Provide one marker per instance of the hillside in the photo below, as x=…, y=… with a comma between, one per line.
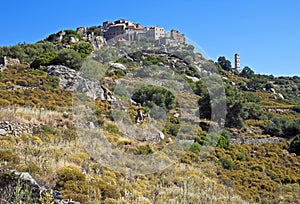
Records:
x=88, y=117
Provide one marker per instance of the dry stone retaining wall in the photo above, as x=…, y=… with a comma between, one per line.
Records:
x=8, y=128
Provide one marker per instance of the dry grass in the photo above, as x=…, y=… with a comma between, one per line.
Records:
x=29, y=115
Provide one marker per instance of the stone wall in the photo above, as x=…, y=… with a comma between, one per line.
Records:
x=255, y=141
x=8, y=128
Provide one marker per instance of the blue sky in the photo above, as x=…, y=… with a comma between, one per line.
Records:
x=265, y=33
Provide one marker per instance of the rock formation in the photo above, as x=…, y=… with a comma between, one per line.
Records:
x=7, y=61
x=73, y=81
x=16, y=187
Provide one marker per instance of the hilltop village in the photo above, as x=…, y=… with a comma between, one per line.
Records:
x=122, y=30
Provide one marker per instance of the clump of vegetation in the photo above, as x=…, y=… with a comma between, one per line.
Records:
x=283, y=127
x=295, y=145
x=150, y=96
x=26, y=53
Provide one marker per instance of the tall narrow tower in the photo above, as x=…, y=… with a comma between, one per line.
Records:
x=237, y=61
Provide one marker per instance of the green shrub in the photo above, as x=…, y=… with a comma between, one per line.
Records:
x=84, y=48
x=143, y=149
x=152, y=60
x=223, y=142
x=112, y=128
x=226, y=163
x=26, y=53
x=45, y=59
x=70, y=173
x=283, y=127
x=241, y=156
x=195, y=147
x=295, y=145
x=70, y=58
x=158, y=95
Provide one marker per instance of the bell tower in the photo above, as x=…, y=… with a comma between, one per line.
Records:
x=237, y=61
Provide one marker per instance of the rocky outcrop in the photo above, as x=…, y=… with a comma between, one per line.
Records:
x=8, y=128
x=117, y=66
x=2, y=68
x=17, y=187
x=7, y=61
x=71, y=80
x=194, y=79
x=96, y=40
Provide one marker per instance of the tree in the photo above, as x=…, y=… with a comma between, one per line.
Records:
x=45, y=59
x=84, y=48
x=150, y=95
x=236, y=109
x=70, y=58
x=225, y=64
x=247, y=72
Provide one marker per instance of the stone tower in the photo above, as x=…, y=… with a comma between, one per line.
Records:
x=237, y=61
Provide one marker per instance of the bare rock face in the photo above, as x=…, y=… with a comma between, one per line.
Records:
x=74, y=40
x=73, y=81
x=96, y=40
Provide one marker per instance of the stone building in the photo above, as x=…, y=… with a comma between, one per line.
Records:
x=155, y=32
x=114, y=30
x=177, y=36
x=120, y=27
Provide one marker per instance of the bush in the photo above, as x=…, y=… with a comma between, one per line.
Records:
x=9, y=156
x=70, y=58
x=158, y=95
x=241, y=156
x=45, y=59
x=83, y=48
x=223, y=143
x=226, y=163
x=26, y=53
x=195, y=147
x=143, y=149
x=70, y=173
x=295, y=145
x=112, y=128
x=152, y=60
x=283, y=127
